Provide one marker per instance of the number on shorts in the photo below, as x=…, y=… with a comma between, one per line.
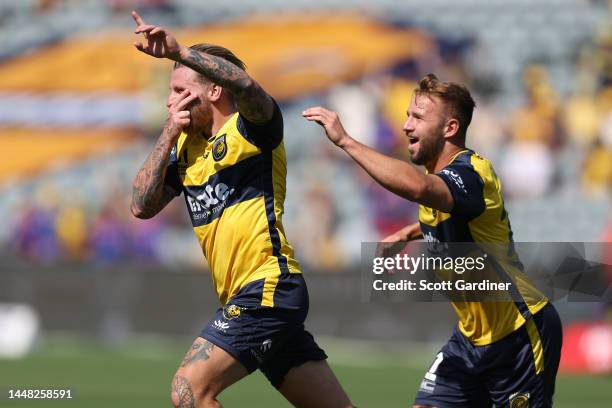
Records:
x=431, y=374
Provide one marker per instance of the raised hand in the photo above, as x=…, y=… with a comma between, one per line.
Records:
x=179, y=117
x=330, y=122
x=159, y=42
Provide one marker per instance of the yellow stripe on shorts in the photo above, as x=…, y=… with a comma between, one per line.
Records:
x=536, y=346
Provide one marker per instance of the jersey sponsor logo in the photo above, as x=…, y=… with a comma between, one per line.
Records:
x=456, y=179
x=210, y=202
x=220, y=325
x=219, y=148
x=231, y=312
x=519, y=400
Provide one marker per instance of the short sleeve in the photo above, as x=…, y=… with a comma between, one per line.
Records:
x=466, y=187
x=266, y=136
x=172, y=179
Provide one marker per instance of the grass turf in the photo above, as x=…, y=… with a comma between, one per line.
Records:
x=138, y=375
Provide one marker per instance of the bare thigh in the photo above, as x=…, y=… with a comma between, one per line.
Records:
x=314, y=385
x=205, y=371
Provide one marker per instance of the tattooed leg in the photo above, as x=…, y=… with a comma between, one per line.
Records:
x=200, y=350
x=182, y=395
x=204, y=372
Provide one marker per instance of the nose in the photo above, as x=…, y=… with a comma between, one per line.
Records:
x=408, y=125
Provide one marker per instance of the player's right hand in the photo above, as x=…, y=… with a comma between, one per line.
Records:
x=330, y=121
x=179, y=117
x=159, y=42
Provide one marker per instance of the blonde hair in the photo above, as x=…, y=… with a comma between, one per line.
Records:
x=456, y=97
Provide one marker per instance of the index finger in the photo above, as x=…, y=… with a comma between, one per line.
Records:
x=137, y=18
x=184, y=100
x=315, y=110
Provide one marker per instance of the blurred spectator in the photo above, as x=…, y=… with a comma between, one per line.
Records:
x=316, y=245
x=597, y=174
x=35, y=238
x=35, y=235
x=526, y=169
x=110, y=239
x=71, y=226
x=536, y=121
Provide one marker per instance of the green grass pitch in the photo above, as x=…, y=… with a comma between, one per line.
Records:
x=138, y=375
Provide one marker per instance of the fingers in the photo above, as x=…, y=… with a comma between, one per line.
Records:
x=317, y=110
x=320, y=115
x=137, y=18
x=157, y=30
x=182, y=115
x=146, y=29
x=182, y=118
x=174, y=99
x=316, y=118
x=184, y=99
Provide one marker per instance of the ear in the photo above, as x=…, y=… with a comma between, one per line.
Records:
x=214, y=92
x=451, y=128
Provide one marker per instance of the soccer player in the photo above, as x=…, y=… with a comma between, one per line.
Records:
x=502, y=353
x=222, y=147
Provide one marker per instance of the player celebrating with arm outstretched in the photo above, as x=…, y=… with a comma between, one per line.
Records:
x=222, y=148
x=506, y=352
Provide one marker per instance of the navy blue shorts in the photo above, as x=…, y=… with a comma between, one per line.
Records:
x=272, y=339
x=517, y=371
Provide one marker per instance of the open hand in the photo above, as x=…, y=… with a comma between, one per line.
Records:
x=330, y=122
x=159, y=42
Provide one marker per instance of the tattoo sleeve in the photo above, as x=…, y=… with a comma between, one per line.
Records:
x=181, y=386
x=253, y=102
x=200, y=350
x=149, y=194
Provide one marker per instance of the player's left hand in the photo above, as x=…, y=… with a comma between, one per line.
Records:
x=160, y=43
x=330, y=122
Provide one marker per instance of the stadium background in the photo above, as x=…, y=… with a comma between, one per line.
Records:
x=94, y=300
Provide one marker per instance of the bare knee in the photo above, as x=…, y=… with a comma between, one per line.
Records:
x=182, y=392
x=185, y=395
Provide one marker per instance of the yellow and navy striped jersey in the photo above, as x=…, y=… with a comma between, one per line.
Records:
x=479, y=216
x=234, y=188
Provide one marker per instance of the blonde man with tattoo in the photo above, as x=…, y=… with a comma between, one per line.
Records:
x=222, y=148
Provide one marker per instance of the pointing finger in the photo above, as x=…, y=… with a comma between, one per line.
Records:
x=137, y=18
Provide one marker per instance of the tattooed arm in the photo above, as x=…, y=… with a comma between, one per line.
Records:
x=150, y=194
x=253, y=101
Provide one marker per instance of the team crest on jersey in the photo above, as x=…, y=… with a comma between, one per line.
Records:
x=219, y=148
x=231, y=312
x=519, y=400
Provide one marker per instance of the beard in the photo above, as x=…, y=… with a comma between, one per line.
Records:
x=201, y=121
x=429, y=149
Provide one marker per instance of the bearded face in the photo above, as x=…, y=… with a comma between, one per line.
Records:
x=200, y=109
x=425, y=129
